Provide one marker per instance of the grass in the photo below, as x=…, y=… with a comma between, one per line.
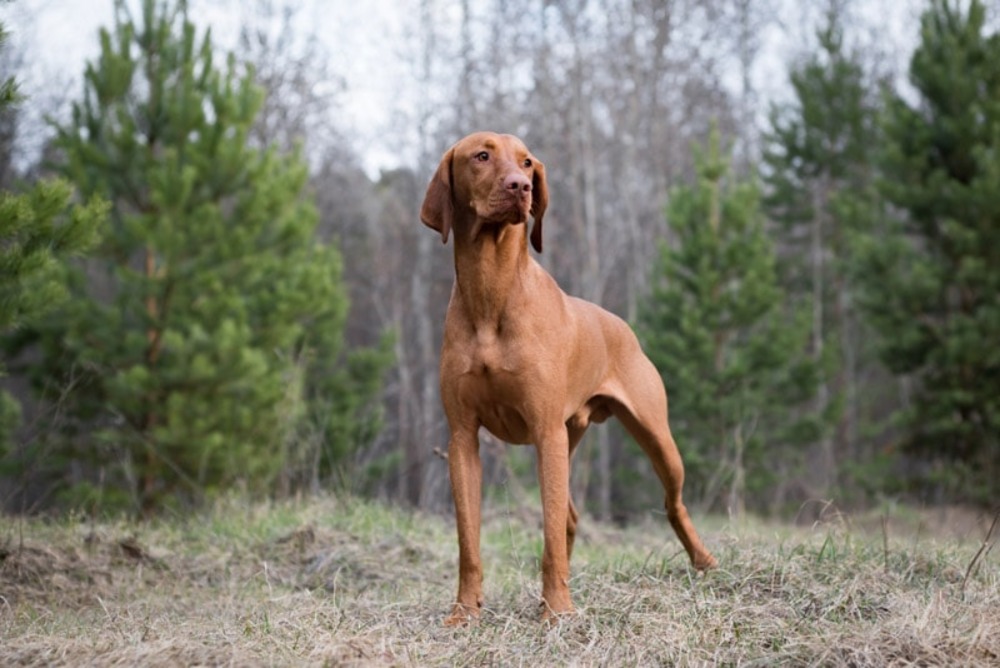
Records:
x=344, y=582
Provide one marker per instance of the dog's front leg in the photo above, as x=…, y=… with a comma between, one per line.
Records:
x=553, y=478
x=466, y=474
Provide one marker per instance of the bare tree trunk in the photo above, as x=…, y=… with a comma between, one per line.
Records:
x=848, y=379
x=410, y=479
x=428, y=363
x=150, y=420
x=605, y=469
x=426, y=354
x=737, y=489
x=827, y=472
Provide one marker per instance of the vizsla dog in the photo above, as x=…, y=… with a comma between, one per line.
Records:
x=530, y=363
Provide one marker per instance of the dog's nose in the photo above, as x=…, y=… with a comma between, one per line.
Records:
x=517, y=183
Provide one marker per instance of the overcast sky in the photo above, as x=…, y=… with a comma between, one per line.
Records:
x=58, y=36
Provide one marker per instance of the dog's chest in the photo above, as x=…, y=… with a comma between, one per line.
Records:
x=493, y=356
x=485, y=376
x=489, y=353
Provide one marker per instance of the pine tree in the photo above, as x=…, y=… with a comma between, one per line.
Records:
x=209, y=337
x=39, y=230
x=819, y=177
x=933, y=277
x=733, y=359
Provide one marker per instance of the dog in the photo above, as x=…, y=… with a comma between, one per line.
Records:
x=530, y=363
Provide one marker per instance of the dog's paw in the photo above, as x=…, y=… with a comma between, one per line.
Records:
x=553, y=615
x=705, y=562
x=462, y=615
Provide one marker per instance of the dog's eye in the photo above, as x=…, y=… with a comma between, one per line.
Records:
x=527, y=162
x=482, y=156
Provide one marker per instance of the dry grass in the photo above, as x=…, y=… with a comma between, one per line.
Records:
x=335, y=582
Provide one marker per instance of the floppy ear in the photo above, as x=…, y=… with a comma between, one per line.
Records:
x=539, y=202
x=437, y=210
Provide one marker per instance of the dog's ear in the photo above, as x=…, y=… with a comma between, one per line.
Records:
x=539, y=202
x=438, y=209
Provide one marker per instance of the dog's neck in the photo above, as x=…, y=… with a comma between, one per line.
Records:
x=489, y=268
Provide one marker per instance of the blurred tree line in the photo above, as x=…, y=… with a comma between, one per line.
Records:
x=817, y=279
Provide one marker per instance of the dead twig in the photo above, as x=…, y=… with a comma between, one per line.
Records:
x=987, y=544
x=885, y=541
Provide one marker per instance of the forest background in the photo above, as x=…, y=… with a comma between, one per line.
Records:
x=215, y=281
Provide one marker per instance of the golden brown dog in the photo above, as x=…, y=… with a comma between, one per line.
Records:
x=530, y=363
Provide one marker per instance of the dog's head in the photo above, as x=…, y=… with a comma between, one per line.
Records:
x=487, y=179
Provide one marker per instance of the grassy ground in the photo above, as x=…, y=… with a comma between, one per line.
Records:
x=341, y=582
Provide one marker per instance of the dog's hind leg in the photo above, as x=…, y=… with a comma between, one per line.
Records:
x=642, y=409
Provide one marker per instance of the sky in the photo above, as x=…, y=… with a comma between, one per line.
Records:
x=59, y=36
x=362, y=38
